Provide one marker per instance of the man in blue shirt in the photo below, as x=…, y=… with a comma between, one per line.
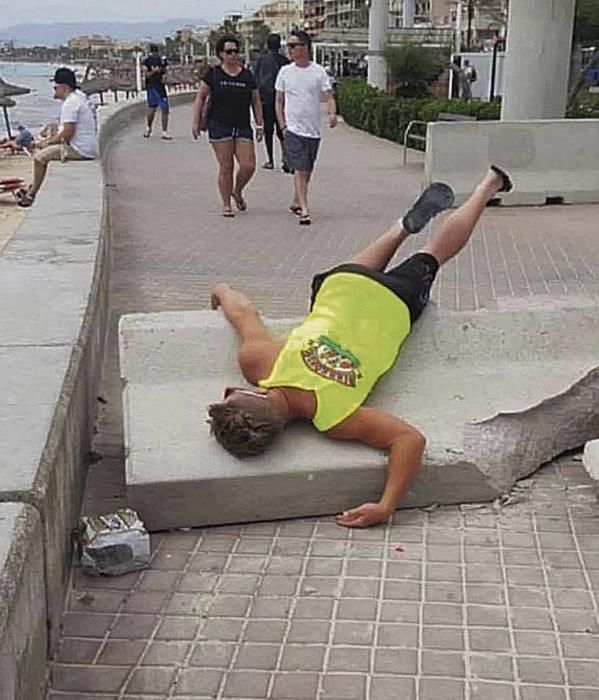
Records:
x=155, y=69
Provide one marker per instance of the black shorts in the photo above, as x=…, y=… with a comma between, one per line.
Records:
x=411, y=281
x=300, y=151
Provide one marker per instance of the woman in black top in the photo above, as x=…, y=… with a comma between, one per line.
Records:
x=230, y=90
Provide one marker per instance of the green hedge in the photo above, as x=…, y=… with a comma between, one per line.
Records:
x=369, y=109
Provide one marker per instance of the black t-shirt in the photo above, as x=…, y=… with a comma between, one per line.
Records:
x=266, y=71
x=156, y=81
x=230, y=96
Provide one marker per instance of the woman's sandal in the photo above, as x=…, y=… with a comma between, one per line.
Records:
x=228, y=213
x=305, y=220
x=240, y=203
x=295, y=210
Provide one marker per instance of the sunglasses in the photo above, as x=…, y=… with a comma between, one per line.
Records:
x=231, y=51
x=294, y=44
x=248, y=392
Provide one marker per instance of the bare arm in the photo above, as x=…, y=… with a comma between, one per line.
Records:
x=63, y=136
x=240, y=312
x=331, y=108
x=385, y=432
x=280, y=109
x=198, y=106
x=258, y=116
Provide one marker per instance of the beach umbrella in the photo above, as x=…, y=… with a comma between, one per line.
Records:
x=5, y=103
x=7, y=91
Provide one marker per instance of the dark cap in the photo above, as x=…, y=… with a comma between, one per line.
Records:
x=65, y=76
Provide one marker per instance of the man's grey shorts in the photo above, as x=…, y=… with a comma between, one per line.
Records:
x=300, y=151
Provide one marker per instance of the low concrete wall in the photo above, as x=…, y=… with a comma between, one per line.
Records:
x=54, y=279
x=550, y=161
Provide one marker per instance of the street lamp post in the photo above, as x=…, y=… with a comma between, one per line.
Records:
x=378, y=20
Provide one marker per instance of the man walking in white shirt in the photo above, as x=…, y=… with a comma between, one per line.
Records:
x=300, y=89
x=76, y=136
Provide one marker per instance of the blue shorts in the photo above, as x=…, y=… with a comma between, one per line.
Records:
x=221, y=133
x=156, y=99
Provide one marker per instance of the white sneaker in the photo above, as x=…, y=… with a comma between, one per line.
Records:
x=147, y=132
x=166, y=136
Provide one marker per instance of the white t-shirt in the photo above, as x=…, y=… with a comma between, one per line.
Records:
x=78, y=109
x=303, y=88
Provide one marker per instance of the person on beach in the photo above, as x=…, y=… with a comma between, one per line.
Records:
x=300, y=89
x=75, y=138
x=222, y=107
x=155, y=68
x=265, y=71
x=360, y=315
x=23, y=142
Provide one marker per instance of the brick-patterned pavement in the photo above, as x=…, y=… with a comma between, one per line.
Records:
x=498, y=602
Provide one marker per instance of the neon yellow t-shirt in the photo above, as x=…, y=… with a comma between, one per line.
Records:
x=350, y=338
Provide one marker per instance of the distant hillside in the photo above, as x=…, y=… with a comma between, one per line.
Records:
x=59, y=33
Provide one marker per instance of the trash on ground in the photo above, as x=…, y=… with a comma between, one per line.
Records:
x=113, y=544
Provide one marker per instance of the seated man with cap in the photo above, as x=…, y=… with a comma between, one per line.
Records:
x=76, y=136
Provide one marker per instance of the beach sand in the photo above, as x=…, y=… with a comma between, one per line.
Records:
x=12, y=215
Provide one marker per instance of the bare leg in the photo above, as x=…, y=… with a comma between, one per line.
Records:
x=150, y=117
x=301, y=180
x=246, y=158
x=378, y=254
x=165, y=120
x=224, y=156
x=457, y=228
x=39, y=173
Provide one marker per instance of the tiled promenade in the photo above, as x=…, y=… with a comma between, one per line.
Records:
x=498, y=602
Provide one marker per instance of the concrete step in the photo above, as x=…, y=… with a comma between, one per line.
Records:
x=497, y=393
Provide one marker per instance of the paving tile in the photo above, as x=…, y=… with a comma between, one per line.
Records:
x=96, y=601
x=491, y=666
x=443, y=593
x=165, y=653
x=302, y=657
x=450, y=638
x=211, y=654
x=199, y=682
x=485, y=594
x=121, y=652
x=583, y=673
x=145, y=602
x=347, y=658
x=157, y=580
x=360, y=588
x=442, y=663
x=535, y=643
x=584, y=646
x=271, y=607
x=298, y=686
x=151, y=680
x=78, y=624
x=541, y=692
x=390, y=635
x=137, y=626
x=386, y=687
x=177, y=628
x=315, y=608
x=531, y=619
x=356, y=609
x=395, y=661
x=435, y=688
x=344, y=686
x=246, y=684
x=439, y=614
x=257, y=656
x=223, y=630
x=479, y=690
x=265, y=631
x=308, y=631
x=102, y=679
x=535, y=670
x=487, y=639
x=399, y=611
x=77, y=651
x=486, y=616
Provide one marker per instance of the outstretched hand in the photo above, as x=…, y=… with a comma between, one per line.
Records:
x=363, y=516
x=215, y=295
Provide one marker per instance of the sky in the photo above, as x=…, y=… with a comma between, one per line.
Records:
x=50, y=11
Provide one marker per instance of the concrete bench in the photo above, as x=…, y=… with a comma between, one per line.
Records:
x=477, y=385
x=550, y=161
x=409, y=135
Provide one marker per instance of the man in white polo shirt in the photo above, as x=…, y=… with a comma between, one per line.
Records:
x=300, y=88
x=76, y=137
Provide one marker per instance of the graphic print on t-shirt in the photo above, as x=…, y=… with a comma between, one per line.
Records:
x=327, y=359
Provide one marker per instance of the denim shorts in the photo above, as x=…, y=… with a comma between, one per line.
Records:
x=155, y=99
x=221, y=133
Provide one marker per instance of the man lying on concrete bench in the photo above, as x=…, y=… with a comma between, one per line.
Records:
x=360, y=315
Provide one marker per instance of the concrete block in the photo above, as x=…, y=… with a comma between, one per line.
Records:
x=23, y=636
x=551, y=161
x=590, y=459
x=458, y=376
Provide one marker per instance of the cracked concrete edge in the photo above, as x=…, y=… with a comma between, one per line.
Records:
x=23, y=629
x=511, y=446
